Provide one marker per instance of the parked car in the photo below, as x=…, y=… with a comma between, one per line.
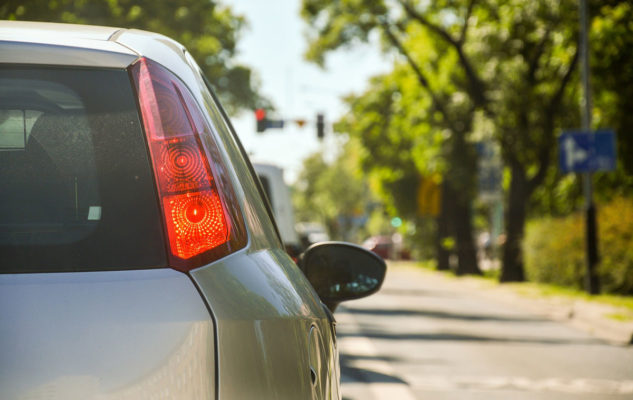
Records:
x=138, y=257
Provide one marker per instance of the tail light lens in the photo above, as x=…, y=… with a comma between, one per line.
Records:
x=201, y=216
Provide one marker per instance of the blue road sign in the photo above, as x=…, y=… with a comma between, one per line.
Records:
x=586, y=151
x=274, y=123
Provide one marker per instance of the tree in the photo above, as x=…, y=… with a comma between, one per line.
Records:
x=527, y=61
x=517, y=60
x=332, y=193
x=611, y=63
x=209, y=31
x=340, y=23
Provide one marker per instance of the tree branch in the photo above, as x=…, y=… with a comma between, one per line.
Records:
x=558, y=95
x=469, y=11
x=437, y=103
x=548, y=127
x=533, y=64
x=476, y=88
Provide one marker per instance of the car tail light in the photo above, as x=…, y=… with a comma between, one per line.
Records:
x=201, y=216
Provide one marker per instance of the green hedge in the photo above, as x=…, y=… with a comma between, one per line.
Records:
x=555, y=253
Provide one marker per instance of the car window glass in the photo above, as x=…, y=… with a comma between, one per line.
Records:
x=76, y=185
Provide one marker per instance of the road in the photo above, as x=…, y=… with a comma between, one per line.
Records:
x=424, y=337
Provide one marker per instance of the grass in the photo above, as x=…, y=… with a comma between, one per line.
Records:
x=619, y=317
x=536, y=290
x=549, y=290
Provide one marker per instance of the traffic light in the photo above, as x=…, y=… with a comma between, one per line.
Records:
x=260, y=117
x=320, y=126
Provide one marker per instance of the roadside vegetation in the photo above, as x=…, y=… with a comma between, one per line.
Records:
x=555, y=253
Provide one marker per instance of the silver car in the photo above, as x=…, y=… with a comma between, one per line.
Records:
x=138, y=257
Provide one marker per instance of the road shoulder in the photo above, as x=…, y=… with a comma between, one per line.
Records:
x=589, y=316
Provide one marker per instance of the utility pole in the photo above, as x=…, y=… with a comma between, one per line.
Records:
x=592, y=283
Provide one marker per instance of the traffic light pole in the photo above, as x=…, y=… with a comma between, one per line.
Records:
x=592, y=283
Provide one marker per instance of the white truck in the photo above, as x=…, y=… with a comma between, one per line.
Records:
x=272, y=178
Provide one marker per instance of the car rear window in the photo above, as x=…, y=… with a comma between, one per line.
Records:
x=76, y=190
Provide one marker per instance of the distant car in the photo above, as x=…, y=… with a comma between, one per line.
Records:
x=381, y=245
x=385, y=247
x=311, y=233
x=138, y=257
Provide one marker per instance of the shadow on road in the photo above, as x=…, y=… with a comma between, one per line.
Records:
x=446, y=315
x=422, y=292
x=363, y=374
x=457, y=337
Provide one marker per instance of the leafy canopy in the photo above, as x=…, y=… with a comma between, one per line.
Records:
x=209, y=31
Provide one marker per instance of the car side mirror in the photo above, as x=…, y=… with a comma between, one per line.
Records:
x=341, y=271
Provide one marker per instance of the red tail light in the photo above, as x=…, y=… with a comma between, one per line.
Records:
x=202, y=219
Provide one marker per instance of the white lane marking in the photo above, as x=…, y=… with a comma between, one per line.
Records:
x=482, y=383
x=362, y=346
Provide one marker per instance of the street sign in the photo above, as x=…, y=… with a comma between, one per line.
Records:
x=586, y=151
x=429, y=197
x=489, y=171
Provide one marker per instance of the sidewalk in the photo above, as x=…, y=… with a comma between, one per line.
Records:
x=592, y=317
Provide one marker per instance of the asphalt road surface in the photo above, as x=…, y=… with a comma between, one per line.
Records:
x=423, y=337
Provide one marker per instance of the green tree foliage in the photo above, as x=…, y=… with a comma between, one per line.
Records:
x=611, y=62
x=209, y=31
x=526, y=53
x=514, y=60
x=612, y=81
x=332, y=193
x=437, y=99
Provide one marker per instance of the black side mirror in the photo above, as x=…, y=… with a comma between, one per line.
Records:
x=341, y=271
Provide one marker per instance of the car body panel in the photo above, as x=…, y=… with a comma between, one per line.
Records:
x=56, y=44
x=104, y=335
x=48, y=31
x=264, y=337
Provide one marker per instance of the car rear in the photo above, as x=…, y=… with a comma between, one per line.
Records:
x=88, y=305
x=137, y=258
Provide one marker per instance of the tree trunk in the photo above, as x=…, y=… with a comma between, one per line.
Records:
x=466, y=251
x=461, y=177
x=444, y=227
x=512, y=269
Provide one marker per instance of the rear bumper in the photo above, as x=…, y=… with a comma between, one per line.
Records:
x=105, y=335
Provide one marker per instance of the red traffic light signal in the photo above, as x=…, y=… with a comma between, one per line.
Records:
x=264, y=123
x=260, y=117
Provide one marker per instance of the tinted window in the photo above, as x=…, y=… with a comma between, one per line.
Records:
x=76, y=191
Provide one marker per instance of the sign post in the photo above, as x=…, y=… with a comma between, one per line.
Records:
x=592, y=283
x=587, y=152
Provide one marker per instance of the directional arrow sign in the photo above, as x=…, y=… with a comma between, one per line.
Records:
x=586, y=151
